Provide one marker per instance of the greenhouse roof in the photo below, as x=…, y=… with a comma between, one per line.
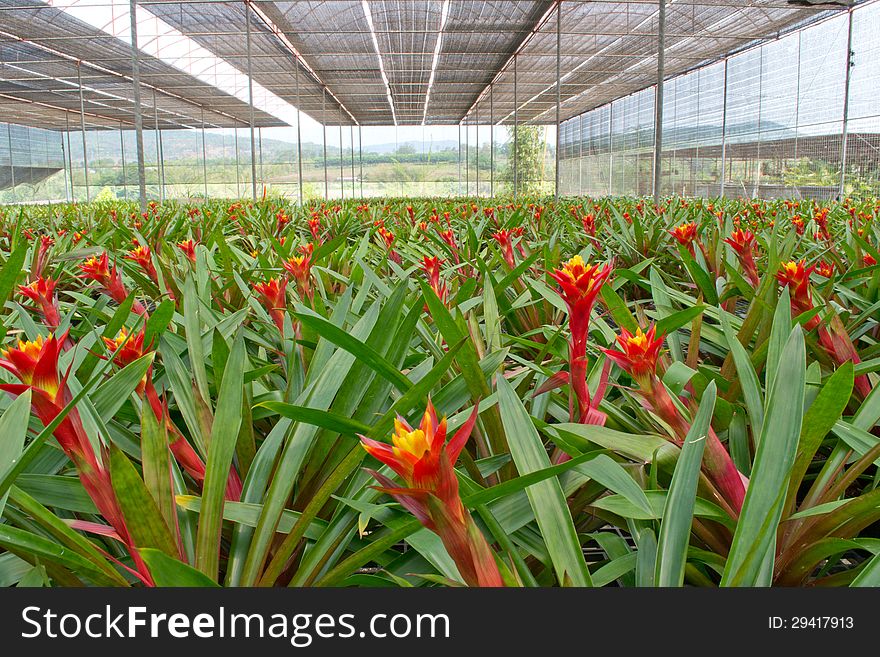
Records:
x=374, y=62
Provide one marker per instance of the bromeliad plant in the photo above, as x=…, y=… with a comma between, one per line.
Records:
x=580, y=284
x=424, y=460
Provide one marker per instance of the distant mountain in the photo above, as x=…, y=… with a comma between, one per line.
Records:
x=105, y=146
x=442, y=145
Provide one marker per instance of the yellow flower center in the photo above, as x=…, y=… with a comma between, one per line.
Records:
x=30, y=349
x=575, y=263
x=638, y=340
x=120, y=338
x=411, y=442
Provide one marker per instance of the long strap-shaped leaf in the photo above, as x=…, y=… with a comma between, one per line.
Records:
x=13, y=428
x=678, y=513
x=227, y=422
x=750, y=562
x=546, y=497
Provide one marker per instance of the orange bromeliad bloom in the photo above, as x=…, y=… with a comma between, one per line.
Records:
x=301, y=268
x=685, y=234
x=796, y=276
x=504, y=239
x=274, y=295
x=431, y=267
x=188, y=248
x=35, y=365
x=639, y=352
x=144, y=257
x=97, y=269
x=424, y=460
x=130, y=347
x=836, y=341
x=743, y=244
x=825, y=269
x=580, y=284
x=638, y=357
x=42, y=293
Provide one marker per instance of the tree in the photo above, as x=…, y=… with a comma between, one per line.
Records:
x=528, y=156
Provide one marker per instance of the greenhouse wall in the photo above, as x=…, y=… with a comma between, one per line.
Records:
x=767, y=122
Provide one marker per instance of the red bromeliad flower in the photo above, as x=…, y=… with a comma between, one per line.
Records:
x=97, y=269
x=424, y=460
x=868, y=260
x=281, y=220
x=129, y=348
x=589, y=224
x=388, y=238
x=188, y=248
x=638, y=357
x=825, y=269
x=315, y=228
x=431, y=267
x=836, y=342
x=580, y=284
x=143, y=256
x=301, y=268
x=35, y=365
x=274, y=295
x=449, y=237
x=42, y=293
x=743, y=244
x=503, y=237
x=518, y=232
x=41, y=257
x=639, y=352
x=796, y=275
x=685, y=234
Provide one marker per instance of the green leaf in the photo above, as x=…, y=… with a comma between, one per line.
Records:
x=819, y=419
x=317, y=417
x=750, y=562
x=619, y=312
x=112, y=394
x=195, y=349
x=37, y=548
x=167, y=571
x=158, y=321
x=362, y=351
x=546, y=498
x=748, y=379
x=142, y=517
x=12, y=269
x=224, y=435
x=678, y=513
x=674, y=321
x=13, y=429
x=869, y=575
x=779, y=332
x=156, y=461
x=705, y=282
